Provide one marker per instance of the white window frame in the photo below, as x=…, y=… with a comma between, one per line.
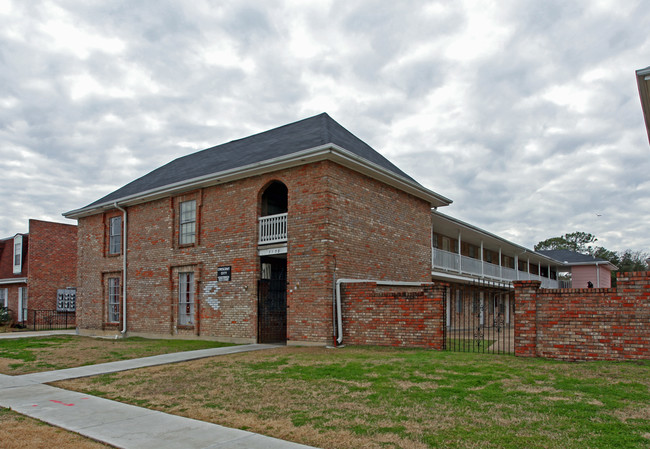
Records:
x=113, y=300
x=18, y=254
x=115, y=235
x=187, y=223
x=186, y=299
x=4, y=297
x=22, y=304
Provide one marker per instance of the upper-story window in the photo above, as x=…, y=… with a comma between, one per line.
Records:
x=18, y=254
x=115, y=235
x=187, y=228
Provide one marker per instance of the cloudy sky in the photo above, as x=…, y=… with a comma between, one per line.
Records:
x=525, y=113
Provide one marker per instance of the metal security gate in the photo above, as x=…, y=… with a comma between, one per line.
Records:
x=272, y=311
x=479, y=317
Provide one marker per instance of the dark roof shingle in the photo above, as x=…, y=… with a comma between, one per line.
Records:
x=278, y=142
x=571, y=257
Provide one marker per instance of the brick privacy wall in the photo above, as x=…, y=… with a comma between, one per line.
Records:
x=584, y=324
x=390, y=315
x=334, y=214
x=52, y=262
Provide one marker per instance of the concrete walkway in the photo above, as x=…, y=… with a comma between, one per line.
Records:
x=25, y=334
x=122, y=425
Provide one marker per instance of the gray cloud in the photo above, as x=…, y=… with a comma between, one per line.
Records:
x=526, y=114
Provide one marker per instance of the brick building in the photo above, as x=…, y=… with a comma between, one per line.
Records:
x=245, y=241
x=35, y=265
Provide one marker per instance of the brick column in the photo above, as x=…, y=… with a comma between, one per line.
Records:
x=436, y=293
x=526, y=318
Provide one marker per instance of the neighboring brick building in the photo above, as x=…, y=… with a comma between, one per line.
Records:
x=245, y=241
x=35, y=265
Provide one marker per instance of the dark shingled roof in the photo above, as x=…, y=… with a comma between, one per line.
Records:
x=283, y=141
x=571, y=257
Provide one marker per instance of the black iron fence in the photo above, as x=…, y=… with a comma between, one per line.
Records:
x=39, y=320
x=480, y=318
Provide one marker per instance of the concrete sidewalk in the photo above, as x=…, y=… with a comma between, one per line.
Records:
x=25, y=334
x=122, y=425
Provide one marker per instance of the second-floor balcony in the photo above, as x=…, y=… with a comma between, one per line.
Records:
x=273, y=229
x=464, y=265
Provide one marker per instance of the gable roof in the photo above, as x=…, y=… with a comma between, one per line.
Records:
x=315, y=138
x=7, y=275
x=574, y=258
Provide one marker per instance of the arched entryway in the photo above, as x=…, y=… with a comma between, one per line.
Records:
x=272, y=284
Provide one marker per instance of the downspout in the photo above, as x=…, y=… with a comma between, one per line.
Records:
x=597, y=275
x=123, y=269
x=334, y=335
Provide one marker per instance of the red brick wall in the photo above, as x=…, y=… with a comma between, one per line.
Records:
x=392, y=315
x=335, y=216
x=52, y=262
x=366, y=229
x=584, y=324
x=92, y=263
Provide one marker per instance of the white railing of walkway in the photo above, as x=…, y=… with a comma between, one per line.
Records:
x=453, y=262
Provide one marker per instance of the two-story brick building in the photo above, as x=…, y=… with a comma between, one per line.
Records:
x=34, y=266
x=245, y=241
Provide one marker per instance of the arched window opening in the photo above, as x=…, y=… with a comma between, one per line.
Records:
x=274, y=199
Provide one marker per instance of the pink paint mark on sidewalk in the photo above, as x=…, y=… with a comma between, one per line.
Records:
x=62, y=403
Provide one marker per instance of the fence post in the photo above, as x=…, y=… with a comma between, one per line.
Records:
x=526, y=318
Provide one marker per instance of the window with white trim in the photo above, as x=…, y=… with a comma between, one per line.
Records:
x=3, y=297
x=115, y=235
x=22, y=304
x=18, y=254
x=186, y=299
x=187, y=227
x=113, y=300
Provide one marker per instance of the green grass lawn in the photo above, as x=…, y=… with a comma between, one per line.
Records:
x=379, y=397
x=27, y=355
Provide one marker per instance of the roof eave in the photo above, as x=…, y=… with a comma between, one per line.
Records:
x=593, y=263
x=643, y=83
x=331, y=152
x=13, y=281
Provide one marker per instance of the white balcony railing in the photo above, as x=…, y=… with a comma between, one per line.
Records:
x=273, y=229
x=448, y=261
x=470, y=265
